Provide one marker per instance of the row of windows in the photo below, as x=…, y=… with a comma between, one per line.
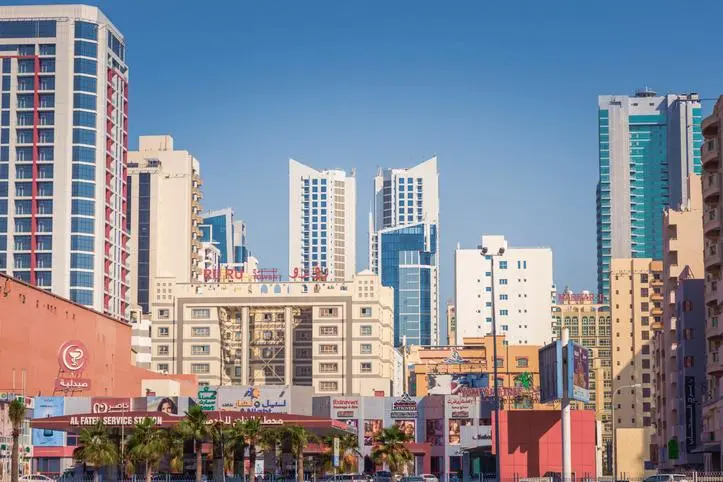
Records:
x=333, y=349
x=82, y=225
x=23, y=207
x=44, y=225
x=25, y=189
x=83, y=207
x=81, y=243
x=364, y=330
x=42, y=261
x=46, y=82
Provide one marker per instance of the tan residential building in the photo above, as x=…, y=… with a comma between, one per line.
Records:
x=335, y=336
x=636, y=306
x=712, y=214
x=588, y=323
x=682, y=251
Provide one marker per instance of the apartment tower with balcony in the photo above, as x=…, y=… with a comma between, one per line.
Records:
x=636, y=307
x=404, y=248
x=63, y=147
x=322, y=223
x=712, y=213
x=648, y=144
x=675, y=341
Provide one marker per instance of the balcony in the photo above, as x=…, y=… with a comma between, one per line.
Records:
x=709, y=155
x=710, y=125
x=714, y=329
x=714, y=365
x=711, y=188
x=711, y=223
x=712, y=256
x=656, y=296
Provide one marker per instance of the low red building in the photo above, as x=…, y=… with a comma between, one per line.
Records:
x=56, y=347
x=531, y=443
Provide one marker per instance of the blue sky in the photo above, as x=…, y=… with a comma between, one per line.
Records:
x=505, y=93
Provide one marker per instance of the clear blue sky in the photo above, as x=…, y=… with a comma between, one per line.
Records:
x=505, y=93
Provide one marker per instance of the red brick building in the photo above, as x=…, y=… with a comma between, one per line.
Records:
x=39, y=330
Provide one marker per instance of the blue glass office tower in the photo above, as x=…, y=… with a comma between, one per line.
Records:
x=404, y=247
x=648, y=144
x=229, y=236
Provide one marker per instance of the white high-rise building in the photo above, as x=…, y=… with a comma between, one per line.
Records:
x=523, y=290
x=404, y=248
x=322, y=222
x=63, y=146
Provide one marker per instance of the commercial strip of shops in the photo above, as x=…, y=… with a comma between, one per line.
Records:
x=452, y=433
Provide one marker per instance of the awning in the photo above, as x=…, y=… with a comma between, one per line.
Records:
x=73, y=423
x=710, y=447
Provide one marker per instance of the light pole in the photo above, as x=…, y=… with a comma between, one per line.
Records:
x=483, y=252
x=615, y=446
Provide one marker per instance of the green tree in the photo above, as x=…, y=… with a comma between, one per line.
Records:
x=148, y=445
x=348, y=452
x=195, y=427
x=16, y=413
x=244, y=433
x=269, y=440
x=174, y=445
x=390, y=447
x=96, y=448
x=298, y=438
x=254, y=433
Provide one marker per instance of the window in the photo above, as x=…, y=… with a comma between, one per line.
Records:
x=646, y=377
x=84, y=136
x=303, y=353
x=522, y=362
x=645, y=350
x=328, y=331
x=504, y=312
x=328, y=386
x=365, y=330
x=200, y=368
x=162, y=331
x=200, y=349
x=84, y=101
x=645, y=335
x=85, y=30
x=162, y=350
x=201, y=331
x=328, y=349
x=503, y=264
x=500, y=362
x=86, y=49
x=366, y=311
x=200, y=313
x=162, y=367
x=328, y=312
x=503, y=297
x=644, y=292
x=328, y=367
x=644, y=307
x=85, y=66
x=503, y=281
x=82, y=83
x=365, y=348
x=365, y=367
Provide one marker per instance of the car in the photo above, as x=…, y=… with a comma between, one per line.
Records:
x=667, y=478
x=36, y=478
x=412, y=478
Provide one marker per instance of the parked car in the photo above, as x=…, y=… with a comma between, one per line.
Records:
x=429, y=477
x=36, y=478
x=667, y=478
x=383, y=476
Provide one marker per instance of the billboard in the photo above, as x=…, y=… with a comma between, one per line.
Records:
x=48, y=407
x=167, y=405
x=550, y=357
x=435, y=432
x=268, y=399
x=453, y=384
x=409, y=427
x=578, y=372
x=372, y=427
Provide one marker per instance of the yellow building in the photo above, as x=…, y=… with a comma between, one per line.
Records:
x=588, y=324
x=446, y=369
x=636, y=305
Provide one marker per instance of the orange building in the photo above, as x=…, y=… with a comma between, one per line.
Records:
x=457, y=369
x=52, y=346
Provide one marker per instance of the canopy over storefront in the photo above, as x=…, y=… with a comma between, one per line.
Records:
x=73, y=423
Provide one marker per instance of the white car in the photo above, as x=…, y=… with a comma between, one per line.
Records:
x=36, y=478
x=667, y=478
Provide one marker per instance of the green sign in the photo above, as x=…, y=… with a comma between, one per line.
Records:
x=673, y=449
x=207, y=398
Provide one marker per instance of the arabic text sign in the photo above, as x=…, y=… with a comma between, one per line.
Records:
x=207, y=398
x=691, y=432
x=110, y=405
x=404, y=407
x=461, y=407
x=254, y=399
x=71, y=384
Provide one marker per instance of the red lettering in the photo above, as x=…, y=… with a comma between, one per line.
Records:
x=239, y=274
x=207, y=274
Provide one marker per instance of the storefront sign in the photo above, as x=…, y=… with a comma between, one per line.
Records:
x=691, y=434
x=506, y=393
x=460, y=407
x=578, y=298
x=72, y=362
x=160, y=420
x=207, y=398
x=110, y=405
x=316, y=274
x=345, y=407
x=238, y=274
x=404, y=407
x=253, y=399
x=113, y=420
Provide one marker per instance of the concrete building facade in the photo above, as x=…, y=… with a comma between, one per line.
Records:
x=636, y=305
x=404, y=248
x=523, y=292
x=63, y=148
x=322, y=223
x=682, y=261
x=164, y=217
x=333, y=336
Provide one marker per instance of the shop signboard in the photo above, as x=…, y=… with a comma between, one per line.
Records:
x=73, y=359
x=461, y=407
x=404, y=408
x=110, y=404
x=48, y=407
x=207, y=398
x=254, y=399
x=345, y=408
x=550, y=358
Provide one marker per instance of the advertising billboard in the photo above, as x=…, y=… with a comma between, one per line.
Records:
x=372, y=427
x=453, y=384
x=266, y=399
x=435, y=432
x=48, y=407
x=409, y=427
x=550, y=357
x=167, y=405
x=578, y=372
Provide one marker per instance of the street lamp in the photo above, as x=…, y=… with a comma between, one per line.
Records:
x=484, y=252
x=615, y=446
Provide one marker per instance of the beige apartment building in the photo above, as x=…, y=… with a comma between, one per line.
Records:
x=588, y=323
x=334, y=336
x=636, y=305
x=712, y=214
x=682, y=250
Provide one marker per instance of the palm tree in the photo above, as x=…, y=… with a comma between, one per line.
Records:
x=270, y=439
x=174, y=444
x=17, y=415
x=254, y=434
x=96, y=448
x=390, y=446
x=219, y=436
x=147, y=445
x=349, y=451
x=194, y=427
x=298, y=438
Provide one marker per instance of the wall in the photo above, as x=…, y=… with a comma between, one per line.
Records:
x=632, y=451
x=33, y=326
x=531, y=443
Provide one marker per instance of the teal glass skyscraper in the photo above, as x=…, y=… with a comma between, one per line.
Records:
x=648, y=145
